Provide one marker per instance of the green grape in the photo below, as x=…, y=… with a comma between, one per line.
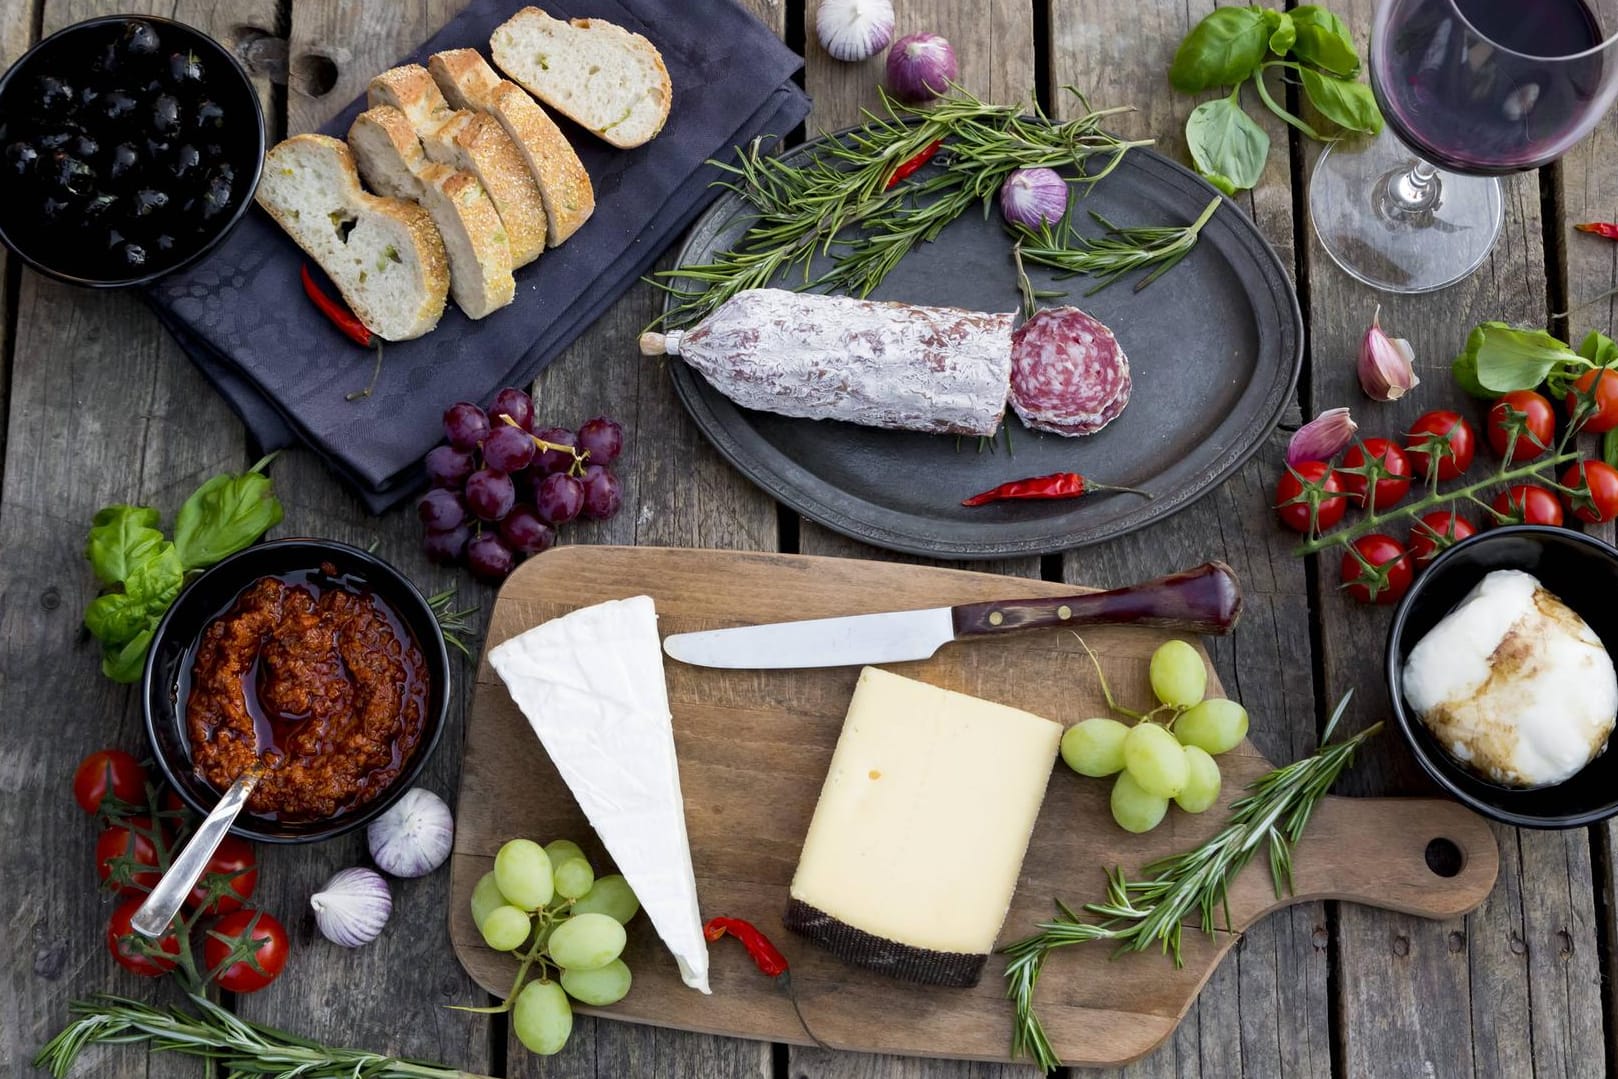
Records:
x=1217, y=725
x=1095, y=747
x=1134, y=809
x=573, y=878
x=1156, y=759
x=522, y=871
x=1178, y=676
x=560, y=850
x=605, y=985
x=505, y=928
x=586, y=942
x=485, y=897
x=1201, y=788
x=610, y=895
x=542, y=1018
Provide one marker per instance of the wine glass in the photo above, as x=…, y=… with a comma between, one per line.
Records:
x=1470, y=90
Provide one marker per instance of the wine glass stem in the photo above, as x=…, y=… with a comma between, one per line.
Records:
x=1417, y=190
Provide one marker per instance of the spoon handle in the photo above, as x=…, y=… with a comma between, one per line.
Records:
x=163, y=903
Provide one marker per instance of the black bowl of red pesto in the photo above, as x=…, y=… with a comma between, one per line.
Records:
x=316, y=660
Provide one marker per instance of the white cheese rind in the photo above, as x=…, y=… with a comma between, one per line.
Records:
x=591, y=685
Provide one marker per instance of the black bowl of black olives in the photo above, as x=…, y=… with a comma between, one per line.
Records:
x=129, y=146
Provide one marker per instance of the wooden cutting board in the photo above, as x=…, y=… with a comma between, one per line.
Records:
x=753, y=750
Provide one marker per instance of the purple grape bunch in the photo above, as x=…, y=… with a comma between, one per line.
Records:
x=500, y=489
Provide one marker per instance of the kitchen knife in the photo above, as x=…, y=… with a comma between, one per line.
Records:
x=1206, y=599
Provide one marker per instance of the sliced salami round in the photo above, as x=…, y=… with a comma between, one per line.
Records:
x=1068, y=374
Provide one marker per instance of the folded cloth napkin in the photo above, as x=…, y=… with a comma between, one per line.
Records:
x=242, y=317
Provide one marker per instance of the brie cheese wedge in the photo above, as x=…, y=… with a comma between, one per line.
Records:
x=591, y=684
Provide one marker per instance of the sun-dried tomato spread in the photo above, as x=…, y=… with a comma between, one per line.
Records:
x=322, y=683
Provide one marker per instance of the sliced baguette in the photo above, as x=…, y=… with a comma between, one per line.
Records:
x=383, y=254
x=612, y=82
x=473, y=143
x=390, y=160
x=468, y=82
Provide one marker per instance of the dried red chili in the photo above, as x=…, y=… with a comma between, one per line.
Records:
x=766, y=956
x=338, y=314
x=908, y=168
x=1055, y=485
x=1609, y=229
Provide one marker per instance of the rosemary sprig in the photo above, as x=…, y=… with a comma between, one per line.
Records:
x=454, y=623
x=1139, y=913
x=1116, y=252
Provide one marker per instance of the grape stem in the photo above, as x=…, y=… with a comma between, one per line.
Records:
x=529, y=958
x=579, y=457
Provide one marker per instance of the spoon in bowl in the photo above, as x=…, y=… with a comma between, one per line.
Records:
x=163, y=902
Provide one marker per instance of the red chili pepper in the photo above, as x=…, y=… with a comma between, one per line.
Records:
x=1608, y=229
x=907, y=168
x=766, y=956
x=338, y=313
x=1056, y=485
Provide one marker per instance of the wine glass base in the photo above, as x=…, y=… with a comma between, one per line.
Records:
x=1366, y=232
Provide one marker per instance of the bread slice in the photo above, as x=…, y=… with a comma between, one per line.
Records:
x=468, y=82
x=473, y=143
x=391, y=160
x=607, y=79
x=383, y=254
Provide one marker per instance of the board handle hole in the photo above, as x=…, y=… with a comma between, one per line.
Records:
x=1444, y=858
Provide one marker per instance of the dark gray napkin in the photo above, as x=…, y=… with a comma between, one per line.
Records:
x=242, y=317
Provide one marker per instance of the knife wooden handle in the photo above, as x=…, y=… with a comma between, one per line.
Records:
x=1206, y=599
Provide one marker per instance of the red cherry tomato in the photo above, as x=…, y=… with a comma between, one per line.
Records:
x=234, y=864
x=1595, y=491
x=125, y=944
x=1291, y=501
x=1377, y=570
x=270, y=950
x=109, y=772
x=1528, y=504
x=1604, y=415
x=1436, y=532
x=132, y=849
x=1426, y=444
x=1392, y=472
x=1534, y=419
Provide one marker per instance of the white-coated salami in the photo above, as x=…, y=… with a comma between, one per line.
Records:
x=935, y=369
x=1068, y=373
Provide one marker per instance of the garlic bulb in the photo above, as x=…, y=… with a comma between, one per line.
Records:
x=1033, y=197
x=920, y=68
x=854, y=29
x=414, y=836
x=352, y=907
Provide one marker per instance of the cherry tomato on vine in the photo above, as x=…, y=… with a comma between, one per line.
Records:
x=1427, y=440
x=234, y=861
x=1604, y=415
x=1392, y=474
x=1528, y=504
x=1534, y=419
x=125, y=944
x=126, y=841
x=1595, y=491
x=1291, y=502
x=270, y=950
x=108, y=771
x=1377, y=570
x=1436, y=532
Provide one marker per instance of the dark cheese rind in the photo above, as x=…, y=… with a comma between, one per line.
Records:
x=906, y=962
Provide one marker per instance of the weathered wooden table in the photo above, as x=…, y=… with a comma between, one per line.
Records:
x=102, y=407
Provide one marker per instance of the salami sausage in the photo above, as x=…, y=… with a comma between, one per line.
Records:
x=935, y=369
x=1068, y=373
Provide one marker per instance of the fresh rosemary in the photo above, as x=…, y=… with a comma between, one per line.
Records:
x=839, y=201
x=1118, y=251
x=455, y=624
x=1139, y=913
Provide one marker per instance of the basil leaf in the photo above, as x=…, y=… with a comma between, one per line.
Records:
x=125, y=663
x=1465, y=366
x=121, y=538
x=157, y=581
x=224, y=515
x=1609, y=447
x=1512, y=359
x=1344, y=102
x=1283, y=33
x=1223, y=49
x=1599, y=349
x=1322, y=39
x=1226, y=144
x=116, y=618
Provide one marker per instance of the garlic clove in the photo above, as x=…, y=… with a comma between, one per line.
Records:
x=352, y=907
x=1386, y=364
x=1322, y=438
x=854, y=29
x=414, y=836
x=1033, y=197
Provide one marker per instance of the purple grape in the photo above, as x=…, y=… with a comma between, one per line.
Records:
x=602, y=494
x=448, y=466
x=446, y=547
x=465, y=425
x=488, y=558
x=555, y=460
x=490, y=495
x=516, y=404
x=602, y=439
x=523, y=531
x=558, y=498
x=508, y=449
x=441, y=510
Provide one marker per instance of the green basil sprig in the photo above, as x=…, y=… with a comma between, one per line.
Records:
x=143, y=571
x=1499, y=358
x=1232, y=45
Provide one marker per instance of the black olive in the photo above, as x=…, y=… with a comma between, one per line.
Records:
x=108, y=60
x=165, y=242
x=124, y=158
x=98, y=207
x=114, y=238
x=213, y=149
x=186, y=158
x=116, y=105
x=166, y=114
x=56, y=97
x=134, y=255
x=84, y=146
x=216, y=200
x=139, y=38
x=53, y=208
x=71, y=174
x=55, y=140
x=209, y=114
x=149, y=200
x=21, y=157
x=185, y=67
x=156, y=148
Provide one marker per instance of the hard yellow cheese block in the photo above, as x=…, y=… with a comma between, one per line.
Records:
x=913, y=853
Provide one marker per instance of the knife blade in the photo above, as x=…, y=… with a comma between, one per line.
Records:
x=1206, y=599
